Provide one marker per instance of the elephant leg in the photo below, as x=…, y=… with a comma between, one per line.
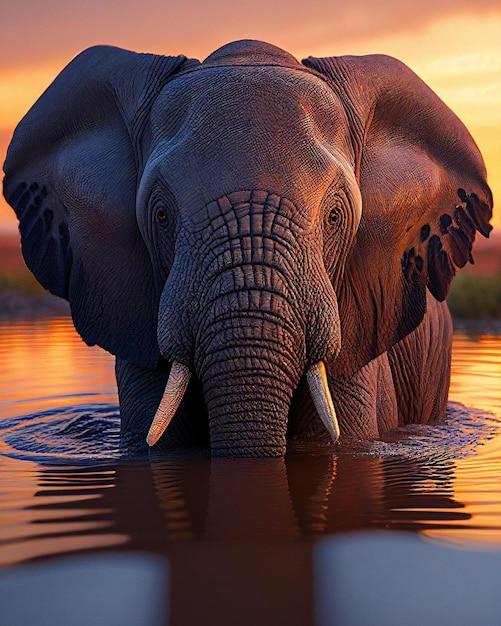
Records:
x=420, y=366
x=139, y=392
x=365, y=405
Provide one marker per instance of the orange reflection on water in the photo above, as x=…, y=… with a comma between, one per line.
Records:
x=48, y=508
x=475, y=382
x=476, y=371
x=46, y=359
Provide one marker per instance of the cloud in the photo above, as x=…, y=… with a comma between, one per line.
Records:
x=34, y=31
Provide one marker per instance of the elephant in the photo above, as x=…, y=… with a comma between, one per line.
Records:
x=265, y=245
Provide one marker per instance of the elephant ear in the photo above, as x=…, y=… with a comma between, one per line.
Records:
x=424, y=197
x=71, y=174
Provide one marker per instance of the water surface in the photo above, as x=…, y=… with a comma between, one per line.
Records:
x=243, y=529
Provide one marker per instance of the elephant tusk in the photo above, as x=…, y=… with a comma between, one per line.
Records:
x=321, y=396
x=175, y=389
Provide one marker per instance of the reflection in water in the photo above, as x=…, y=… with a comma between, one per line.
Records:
x=240, y=531
x=45, y=364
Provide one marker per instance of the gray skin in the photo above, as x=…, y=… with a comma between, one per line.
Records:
x=249, y=216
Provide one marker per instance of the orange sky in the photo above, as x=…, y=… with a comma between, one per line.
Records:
x=454, y=47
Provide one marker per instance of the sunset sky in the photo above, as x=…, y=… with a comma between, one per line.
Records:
x=454, y=45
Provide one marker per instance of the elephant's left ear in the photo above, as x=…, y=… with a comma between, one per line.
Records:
x=424, y=197
x=71, y=175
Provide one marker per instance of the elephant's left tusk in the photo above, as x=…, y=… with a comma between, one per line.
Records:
x=175, y=389
x=322, y=399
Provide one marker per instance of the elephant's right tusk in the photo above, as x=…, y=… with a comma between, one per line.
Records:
x=322, y=399
x=175, y=389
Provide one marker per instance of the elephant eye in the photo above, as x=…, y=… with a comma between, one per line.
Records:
x=334, y=217
x=161, y=215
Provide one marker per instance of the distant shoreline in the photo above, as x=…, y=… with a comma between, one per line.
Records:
x=475, y=297
x=17, y=305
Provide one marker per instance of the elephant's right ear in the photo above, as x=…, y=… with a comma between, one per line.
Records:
x=71, y=176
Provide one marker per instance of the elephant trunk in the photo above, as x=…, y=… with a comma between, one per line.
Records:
x=264, y=315
x=249, y=369
x=178, y=383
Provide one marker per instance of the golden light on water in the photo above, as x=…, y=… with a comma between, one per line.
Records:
x=476, y=374
x=44, y=366
x=50, y=362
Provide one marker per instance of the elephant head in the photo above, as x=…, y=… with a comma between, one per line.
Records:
x=252, y=220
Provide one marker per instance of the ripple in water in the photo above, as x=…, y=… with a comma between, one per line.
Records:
x=91, y=432
x=65, y=486
x=81, y=433
x=459, y=435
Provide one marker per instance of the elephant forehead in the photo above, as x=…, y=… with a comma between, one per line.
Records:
x=270, y=128
x=276, y=98
x=249, y=51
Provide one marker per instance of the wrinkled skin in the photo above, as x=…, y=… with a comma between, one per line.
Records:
x=247, y=217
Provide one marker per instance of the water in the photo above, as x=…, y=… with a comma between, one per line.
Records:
x=237, y=533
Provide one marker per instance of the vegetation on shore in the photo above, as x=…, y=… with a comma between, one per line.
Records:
x=474, y=296
x=22, y=297
x=23, y=282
